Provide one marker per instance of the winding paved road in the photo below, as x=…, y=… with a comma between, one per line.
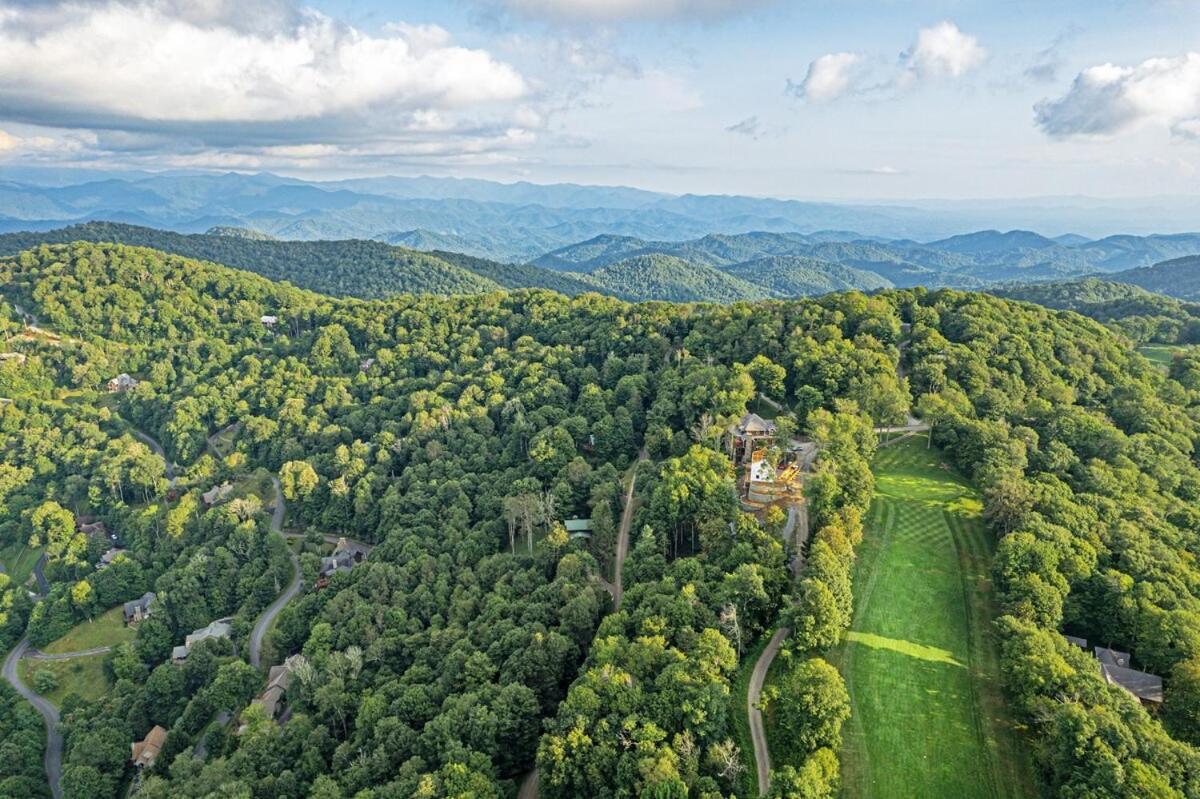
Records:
x=758, y=734
x=39, y=573
x=52, y=760
x=158, y=450
x=264, y=621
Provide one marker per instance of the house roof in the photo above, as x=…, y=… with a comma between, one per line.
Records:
x=217, y=629
x=142, y=603
x=753, y=424
x=1112, y=657
x=1139, y=683
x=1077, y=641
x=179, y=653
x=144, y=752
x=578, y=525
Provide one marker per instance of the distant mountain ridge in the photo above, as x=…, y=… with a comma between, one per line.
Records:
x=509, y=222
x=1179, y=277
x=966, y=261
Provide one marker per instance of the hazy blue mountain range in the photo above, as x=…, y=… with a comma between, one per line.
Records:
x=964, y=261
x=1179, y=277
x=522, y=221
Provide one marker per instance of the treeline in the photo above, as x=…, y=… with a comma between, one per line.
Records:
x=22, y=740
x=1085, y=457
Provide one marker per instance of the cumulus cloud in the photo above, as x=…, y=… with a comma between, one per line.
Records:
x=179, y=79
x=623, y=10
x=78, y=64
x=942, y=50
x=1109, y=99
x=829, y=77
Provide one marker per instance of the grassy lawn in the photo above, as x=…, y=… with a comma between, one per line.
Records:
x=107, y=629
x=81, y=676
x=223, y=443
x=920, y=660
x=19, y=560
x=1162, y=354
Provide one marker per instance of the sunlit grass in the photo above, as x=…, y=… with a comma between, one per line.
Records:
x=920, y=661
x=907, y=648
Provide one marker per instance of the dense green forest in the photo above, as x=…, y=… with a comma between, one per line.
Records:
x=665, y=277
x=457, y=433
x=1140, y=314
x=356, y=268
x=1179, y=277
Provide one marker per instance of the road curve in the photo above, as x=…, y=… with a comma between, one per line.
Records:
x=39, y=573
x=618, y=591
x=762, y=756
x=264, y=620
x=52, y=761
x=160, y=452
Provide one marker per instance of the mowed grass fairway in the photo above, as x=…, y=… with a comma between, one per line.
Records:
x=920, y=661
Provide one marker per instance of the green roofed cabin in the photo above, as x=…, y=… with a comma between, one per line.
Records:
x=579, y=528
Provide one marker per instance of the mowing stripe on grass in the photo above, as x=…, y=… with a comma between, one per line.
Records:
x=920, y=660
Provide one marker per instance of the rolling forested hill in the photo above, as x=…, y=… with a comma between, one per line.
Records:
x=353, y=268
x=664, y=277
x=1142, y=315
x=454, y=434
x=1179, y=278
x=797, y=276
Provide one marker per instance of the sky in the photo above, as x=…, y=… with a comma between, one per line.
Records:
x=836, y=99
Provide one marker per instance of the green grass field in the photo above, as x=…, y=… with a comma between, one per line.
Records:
x=81, y=676
x=18, y=560
x=920, y=660
x=1162, y=354
x=107, y=629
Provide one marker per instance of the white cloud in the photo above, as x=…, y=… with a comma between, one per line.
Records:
x=622, y=10
x=8, y=141
x=672, y=93
x=1109, y=99
x=117, y=62
x=942, y=50
x=830, y=77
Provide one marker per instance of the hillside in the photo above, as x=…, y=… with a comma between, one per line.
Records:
x=798, y=276
x=664, y=277
x=1144, y=316
x=516, y=276
x=1178, y=278
x=483, y=422
x=353, y=268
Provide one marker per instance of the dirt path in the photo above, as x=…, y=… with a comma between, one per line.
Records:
x=758, y=734
x=264, y=620
x=52, y=760
x=529, y=786
x=618, y=589
x=34, y=654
